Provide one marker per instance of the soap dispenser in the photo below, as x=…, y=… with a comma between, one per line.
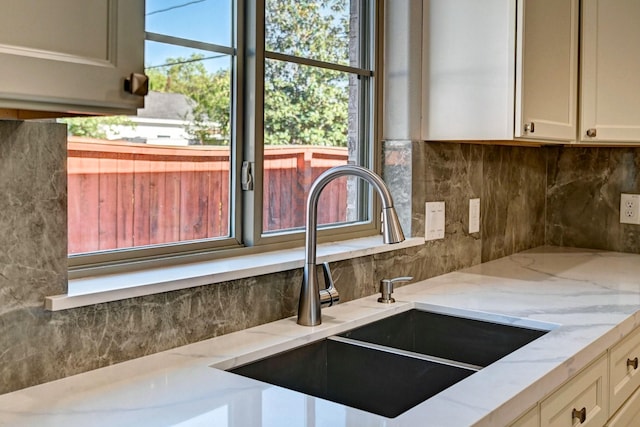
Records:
x=386, y=288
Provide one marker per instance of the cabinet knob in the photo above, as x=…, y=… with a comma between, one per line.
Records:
x=530, y=127
x=633, y=363
x=580, y=415
x=137, y=84
x=591, y=132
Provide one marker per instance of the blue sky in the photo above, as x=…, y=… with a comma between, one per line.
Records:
x=201, y=20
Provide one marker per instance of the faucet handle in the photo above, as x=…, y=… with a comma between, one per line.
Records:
x=386, y=288
x=330, y=295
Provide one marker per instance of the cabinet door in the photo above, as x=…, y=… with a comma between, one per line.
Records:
x=624, y=370
x=587, y=392
x=70, y=55
x=529, y=419
x=546, y=70
x=610, y=83
x=629, y=414
x=468, y=69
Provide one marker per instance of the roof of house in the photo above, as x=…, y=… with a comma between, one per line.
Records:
x=161, y=105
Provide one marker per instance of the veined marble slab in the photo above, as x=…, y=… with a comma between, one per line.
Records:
x=593, y=297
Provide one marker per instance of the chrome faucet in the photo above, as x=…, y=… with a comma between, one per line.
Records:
x=309, y=303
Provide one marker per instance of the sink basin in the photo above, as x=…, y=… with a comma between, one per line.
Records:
x=472, y=341
x=380, y=381
x=388, y=366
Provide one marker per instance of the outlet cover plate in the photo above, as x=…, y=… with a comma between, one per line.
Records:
x=474, y=216
x=629, y=208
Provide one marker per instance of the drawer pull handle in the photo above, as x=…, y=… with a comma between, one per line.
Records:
x=633, y=363
x=581, y=414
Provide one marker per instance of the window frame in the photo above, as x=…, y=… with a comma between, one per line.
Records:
x=247, y=127
x=371, y=57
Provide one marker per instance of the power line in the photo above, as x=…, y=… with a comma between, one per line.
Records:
x=186, y=61
x=178, y=6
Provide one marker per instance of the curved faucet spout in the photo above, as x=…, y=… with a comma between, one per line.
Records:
x=309, y=304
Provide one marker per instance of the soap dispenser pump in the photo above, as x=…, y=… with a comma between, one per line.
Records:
x=386, y=288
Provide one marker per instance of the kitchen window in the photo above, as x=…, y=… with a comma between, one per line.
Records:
x=249, y=102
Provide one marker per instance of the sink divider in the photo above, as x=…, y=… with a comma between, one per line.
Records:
x=406, y=353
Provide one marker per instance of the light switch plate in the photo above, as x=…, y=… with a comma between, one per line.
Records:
x=434, y=221
x=474, y=216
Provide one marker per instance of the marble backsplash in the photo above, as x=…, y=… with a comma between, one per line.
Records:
x=513, y=205
x=510, y=182
x=33, y=242
x=583, y=197
x=38, y=346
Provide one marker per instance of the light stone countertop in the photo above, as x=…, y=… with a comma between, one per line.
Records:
x=591, y=298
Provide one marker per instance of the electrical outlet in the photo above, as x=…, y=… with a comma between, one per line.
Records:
x=434, y=221
x=629, y=208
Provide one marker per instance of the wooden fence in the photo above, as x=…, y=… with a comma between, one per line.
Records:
x=288, y=174
x=126, y=194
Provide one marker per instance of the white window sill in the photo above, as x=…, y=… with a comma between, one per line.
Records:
x=112, y=287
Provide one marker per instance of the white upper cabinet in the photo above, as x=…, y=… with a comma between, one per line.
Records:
x=70, y=56
x=547, y=69
x=610, y=66
x=500, y=70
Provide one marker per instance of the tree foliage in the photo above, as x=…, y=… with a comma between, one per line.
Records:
x=95, y=127
x=210, y=91
x=306, y=104
x=302, y=104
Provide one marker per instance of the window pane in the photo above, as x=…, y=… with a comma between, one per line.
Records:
x=161, y=176
x=201, y=20
x=203, y=79
x=311, y=123
x=321, y=30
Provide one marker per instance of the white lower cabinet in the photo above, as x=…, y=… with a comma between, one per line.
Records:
x=606, y=393
x=629, y=414
x=583, y=401
x=624, y=374
x=530, y=419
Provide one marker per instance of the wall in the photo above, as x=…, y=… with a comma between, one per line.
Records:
x=32, y=248
x=577, y=188
x=510, y=182
x=38, y=346
x=583, y=197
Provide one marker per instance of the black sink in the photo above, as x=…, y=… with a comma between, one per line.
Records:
x=389, y=366
x=465, y=340
x=376, y=381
